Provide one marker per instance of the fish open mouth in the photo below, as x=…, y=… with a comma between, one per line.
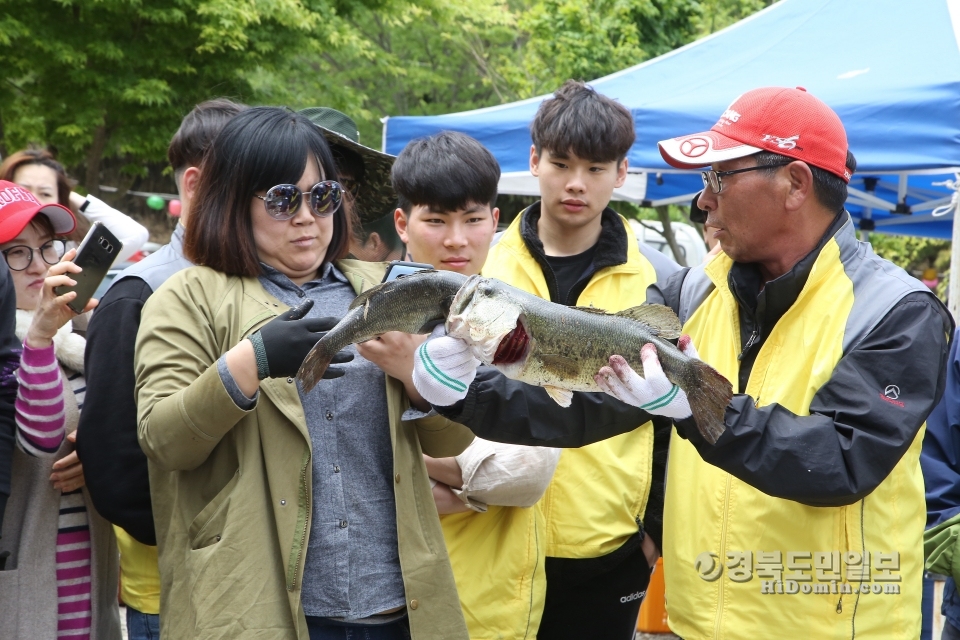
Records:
x=513, y=346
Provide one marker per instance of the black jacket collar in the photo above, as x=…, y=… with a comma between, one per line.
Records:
x=611, y=248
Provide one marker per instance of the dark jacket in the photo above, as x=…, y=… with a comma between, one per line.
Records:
x=847, y=445
x=114, y=466
x=940, y=461
x=9, y=362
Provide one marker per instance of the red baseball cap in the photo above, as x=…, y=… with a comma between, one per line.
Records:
x=18, y=207
x=790, y=122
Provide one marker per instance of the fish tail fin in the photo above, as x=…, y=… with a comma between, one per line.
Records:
x=709, y=400
x=314, y=366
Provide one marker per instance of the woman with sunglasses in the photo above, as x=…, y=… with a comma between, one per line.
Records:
x=64, y=552
x=281, y=513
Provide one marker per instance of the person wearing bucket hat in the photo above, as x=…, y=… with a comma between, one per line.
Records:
x=839, y=356
x=50, y=508
x=365, y=175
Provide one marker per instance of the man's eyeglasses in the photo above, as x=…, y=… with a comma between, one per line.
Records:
x=283, y=201
x=20, y=256
x=714, y=179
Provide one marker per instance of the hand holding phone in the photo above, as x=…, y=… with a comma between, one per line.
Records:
x=54, y=310
x=95, y=256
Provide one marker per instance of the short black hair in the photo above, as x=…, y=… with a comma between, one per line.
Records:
x=829, y=188
x=197, y=131
x=385, y=227
x=579, y=120
x=446, y=171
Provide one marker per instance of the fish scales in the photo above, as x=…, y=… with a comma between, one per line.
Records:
x=562, y=348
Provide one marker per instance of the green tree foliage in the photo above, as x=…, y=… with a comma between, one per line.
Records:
x=587, y=39
x=401, y=58
x=112, y=78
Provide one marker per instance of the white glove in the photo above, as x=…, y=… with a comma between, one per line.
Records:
x=654, y=394
x=443, y=368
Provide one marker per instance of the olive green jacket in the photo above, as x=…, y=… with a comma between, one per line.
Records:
x=232, y=489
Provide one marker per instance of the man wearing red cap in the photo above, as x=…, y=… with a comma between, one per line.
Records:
x=806, y=515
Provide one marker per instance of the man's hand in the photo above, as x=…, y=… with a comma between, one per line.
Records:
x=67, y=471
x=655, y=394
x=650, y=550
x=447, y=501
x=393, y=353
x=443, y=369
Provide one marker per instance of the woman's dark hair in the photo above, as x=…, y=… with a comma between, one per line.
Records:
x=257, y=149
x=34, y=155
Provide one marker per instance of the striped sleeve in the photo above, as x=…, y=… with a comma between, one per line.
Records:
x=39, y=406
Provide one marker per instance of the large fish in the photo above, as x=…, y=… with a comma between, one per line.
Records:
x=561, y=348
x=413, y=304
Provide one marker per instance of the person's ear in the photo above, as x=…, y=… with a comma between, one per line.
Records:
x=373, y=241
x=800, y=185
x=621, y=174
x=496, y=217
x=534, y=161
x=400, y=221
x=189, y=182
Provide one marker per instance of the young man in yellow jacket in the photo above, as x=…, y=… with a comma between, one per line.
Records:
x=805, y=517
x=486, y=496
x=603, y=507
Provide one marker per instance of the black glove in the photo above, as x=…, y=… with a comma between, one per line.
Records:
x=287, y=339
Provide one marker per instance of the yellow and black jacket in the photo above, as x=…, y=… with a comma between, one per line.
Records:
x=820, y=460
x=599, y=494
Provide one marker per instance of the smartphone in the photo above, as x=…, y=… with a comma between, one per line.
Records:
x=401, y=268
x=95, y=255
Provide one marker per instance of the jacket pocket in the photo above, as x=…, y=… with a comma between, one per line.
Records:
x=207, y=527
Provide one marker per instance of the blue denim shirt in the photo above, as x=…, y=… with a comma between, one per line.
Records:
x=352, y=566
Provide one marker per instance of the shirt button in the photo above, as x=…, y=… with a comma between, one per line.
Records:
x=283, y=503
x=289, y=380
x=414, y=604
x=329, y=415
x=300, y=294
x=343, y=524
x=218, y=538
x=397, y=478
x=336, y=468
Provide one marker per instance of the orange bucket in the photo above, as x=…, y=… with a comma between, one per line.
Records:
x=653, y=611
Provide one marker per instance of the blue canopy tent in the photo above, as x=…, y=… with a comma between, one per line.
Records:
x=890, y=69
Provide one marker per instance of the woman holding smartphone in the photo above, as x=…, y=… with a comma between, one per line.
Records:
x=278, y=511
x=61, y=579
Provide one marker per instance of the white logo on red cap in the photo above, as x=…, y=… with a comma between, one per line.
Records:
x=694, y=147
x=728, y=117
x=16, y=194
x=783, y=143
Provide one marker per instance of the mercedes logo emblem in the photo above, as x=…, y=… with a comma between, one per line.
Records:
x=694, y=147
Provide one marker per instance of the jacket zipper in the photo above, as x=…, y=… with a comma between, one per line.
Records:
x=306, y=522
x=722, y=557
x=750, y=341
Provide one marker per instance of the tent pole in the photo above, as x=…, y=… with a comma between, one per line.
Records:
x=953, y=290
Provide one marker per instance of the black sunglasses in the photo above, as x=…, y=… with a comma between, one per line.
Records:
x=283, y=200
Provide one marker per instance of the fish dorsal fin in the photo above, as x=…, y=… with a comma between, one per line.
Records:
x=364, y=297
x=562, y=397
x=593, y=310
x=656, y=316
